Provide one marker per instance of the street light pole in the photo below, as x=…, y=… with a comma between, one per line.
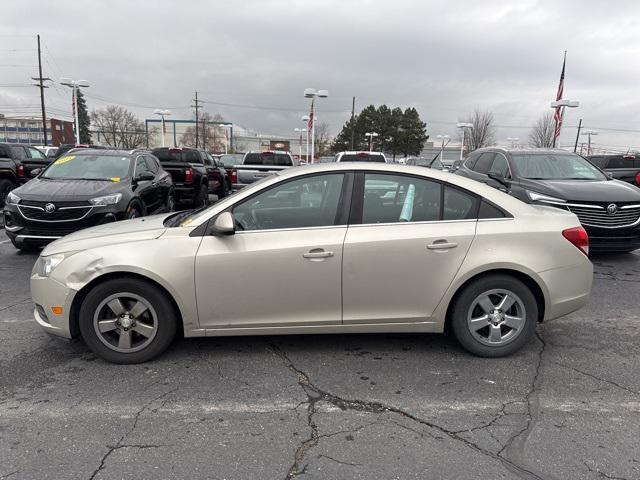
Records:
x=162, y=114
x=312, y=93
x=75, y=85
x=589, y=133
x=462, y=126
x=305, y=118
x=371, y=135
x=443, y=138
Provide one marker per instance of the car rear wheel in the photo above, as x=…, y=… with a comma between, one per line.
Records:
x=127, y=321
x=202, y=199
x=494, y=316
x=5, y=187
x=171, y=202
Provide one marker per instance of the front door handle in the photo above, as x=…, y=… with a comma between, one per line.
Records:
x=317, y=253
x=442, y=245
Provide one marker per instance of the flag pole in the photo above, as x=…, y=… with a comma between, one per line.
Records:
x=559, y=110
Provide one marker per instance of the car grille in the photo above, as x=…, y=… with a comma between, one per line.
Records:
x=598, y=216
x=64, y=211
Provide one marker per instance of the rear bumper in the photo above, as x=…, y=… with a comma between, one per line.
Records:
x=568, y=288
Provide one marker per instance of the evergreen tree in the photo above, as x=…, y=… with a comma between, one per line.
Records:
x=83, y=119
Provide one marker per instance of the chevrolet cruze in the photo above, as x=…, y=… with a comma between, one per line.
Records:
x=332, y=248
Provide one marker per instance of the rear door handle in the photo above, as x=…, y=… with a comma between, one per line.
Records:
x=442, y=245
x=317, y=253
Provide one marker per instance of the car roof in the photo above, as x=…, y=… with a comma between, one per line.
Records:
x=105, y=152
x=525, y=151
x=360, y=152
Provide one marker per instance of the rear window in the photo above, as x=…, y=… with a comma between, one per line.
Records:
x=189, y=156
x=362, y=157
x=265, y=158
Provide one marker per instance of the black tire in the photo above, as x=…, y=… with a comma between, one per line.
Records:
x=5, y=187
x=170, y=204
x=166, y=322
x=223, y=191
x=466, y=300
x=202, y=199
x=133, y=211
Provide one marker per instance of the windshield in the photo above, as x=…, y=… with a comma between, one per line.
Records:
x=89, y=167
x=362, y=157
x=547, y=166
x=267, y=159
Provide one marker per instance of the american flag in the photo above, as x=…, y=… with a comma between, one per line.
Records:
x=310, y=122
x=557, y=116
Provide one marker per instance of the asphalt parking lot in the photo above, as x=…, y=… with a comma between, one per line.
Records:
x=327, y=407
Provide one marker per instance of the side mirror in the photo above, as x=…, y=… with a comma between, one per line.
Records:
x=144, y=177
x=35, y=172
x=223, y=225
x=500, y=179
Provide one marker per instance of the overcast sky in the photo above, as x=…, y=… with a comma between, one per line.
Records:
x=444, y=58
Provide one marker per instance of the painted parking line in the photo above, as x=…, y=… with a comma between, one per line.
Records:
x=5, y=241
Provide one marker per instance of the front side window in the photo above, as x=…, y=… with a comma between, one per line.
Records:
x=484, y=163
x=307, y=202
x=500, y=166
x=400, y=198
x=551, y=166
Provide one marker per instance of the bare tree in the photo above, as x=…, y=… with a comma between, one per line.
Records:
x=483, y=132
x=117, y=127
x=210, y=137
x=323, y=139
x=541, y=135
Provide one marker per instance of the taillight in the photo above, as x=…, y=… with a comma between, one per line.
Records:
x=233, y=173
x=188, y=175
x=579, y=237
x=638, y=179
x=20, y=171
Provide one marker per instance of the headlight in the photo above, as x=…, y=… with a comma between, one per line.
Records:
x=106, y=200
x=12, y=198
x=539, y=197
x=45, y=265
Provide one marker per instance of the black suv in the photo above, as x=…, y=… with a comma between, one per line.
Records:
x=85, y=188
x=16, y=164
x=621, y=167
x=608, y=209
x=195, y=174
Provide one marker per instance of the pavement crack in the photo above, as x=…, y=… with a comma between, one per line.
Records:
x=7, y=475
x=600, y=379
x=603, y=474
x=24, y=300
x=316, y=394
x=340, y=461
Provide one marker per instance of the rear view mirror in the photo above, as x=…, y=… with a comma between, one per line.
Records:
x=35, y=172
x=145, y=176
x=224, y=224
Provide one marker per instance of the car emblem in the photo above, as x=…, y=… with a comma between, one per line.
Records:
x=612, y=209
x=49, y=208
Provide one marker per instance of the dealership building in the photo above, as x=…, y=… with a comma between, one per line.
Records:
x=28, y=131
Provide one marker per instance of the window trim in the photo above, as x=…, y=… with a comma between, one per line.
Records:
x=342, y=209
x=357, y=199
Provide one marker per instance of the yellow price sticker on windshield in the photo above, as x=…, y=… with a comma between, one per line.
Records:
x=66, y=159
x=115, y=179
x=186, y=222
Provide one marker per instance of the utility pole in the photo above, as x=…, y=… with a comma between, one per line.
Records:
x=40, y=79
x=353, y=127
x=196, y=105
x=575, y=146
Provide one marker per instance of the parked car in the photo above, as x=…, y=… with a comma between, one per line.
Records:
x=314, y=250
x=189, y=172
x=608, y=209
x=219, y=179
x=86, y=188
x=360, y=157
x=433, y=162
x=48, y=150
x=13, y=167
x=257, y=165
x=621, y=167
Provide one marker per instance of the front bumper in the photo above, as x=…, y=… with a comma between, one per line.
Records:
x=47, y=293
x=23, y=231
x=613, y=240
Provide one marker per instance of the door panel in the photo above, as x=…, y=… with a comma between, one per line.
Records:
x=400, y=272
x=270, y=277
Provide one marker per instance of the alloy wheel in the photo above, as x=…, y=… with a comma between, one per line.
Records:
x=496, y=317
x=125, y=322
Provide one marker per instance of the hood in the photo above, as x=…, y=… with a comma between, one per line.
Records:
x=42, y=189
x=585, y=191
x=146, y=228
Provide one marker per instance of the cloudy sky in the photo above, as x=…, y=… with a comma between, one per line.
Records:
x=250, y=60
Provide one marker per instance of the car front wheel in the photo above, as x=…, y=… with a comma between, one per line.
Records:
x=127, y=321
x=494, y=316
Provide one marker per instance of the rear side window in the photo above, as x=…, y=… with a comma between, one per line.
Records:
x=469, y=162
x=489, y=211
x=458, y=205
x=177, y=155
x=599, y=161
x=620, y=162
x=484, y=163
x=268, y=158
x=18, y=152
x=361, y=157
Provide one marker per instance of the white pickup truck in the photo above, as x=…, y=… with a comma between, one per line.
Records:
x=257, y=165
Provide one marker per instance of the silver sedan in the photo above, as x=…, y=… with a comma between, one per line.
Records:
x=331, y=248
